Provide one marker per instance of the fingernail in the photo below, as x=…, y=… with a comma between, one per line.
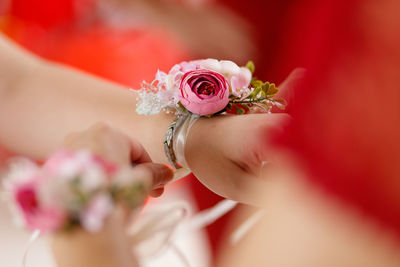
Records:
x=168, y=171
x=180, y=173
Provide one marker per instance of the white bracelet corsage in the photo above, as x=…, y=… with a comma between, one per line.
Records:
x=71, y=189
x=203, y=88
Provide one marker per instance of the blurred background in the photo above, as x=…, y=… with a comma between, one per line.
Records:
x=349, y=105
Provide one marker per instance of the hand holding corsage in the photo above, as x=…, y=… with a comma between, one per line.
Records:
x=83, y=194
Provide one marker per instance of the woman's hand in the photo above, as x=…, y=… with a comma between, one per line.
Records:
x=118, y=148
x=110, y=246
x=227, y=153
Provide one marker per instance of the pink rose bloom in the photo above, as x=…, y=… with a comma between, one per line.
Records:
x=204, y=92
x=35, y=216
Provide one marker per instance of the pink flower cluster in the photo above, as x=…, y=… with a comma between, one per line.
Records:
x=70, y=187
x=203, y=87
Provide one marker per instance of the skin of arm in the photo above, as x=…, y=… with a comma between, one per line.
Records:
x=41, y=102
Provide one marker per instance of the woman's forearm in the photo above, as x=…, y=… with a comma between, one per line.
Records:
x=42, y=102
x=47, y=101
x=14, y=63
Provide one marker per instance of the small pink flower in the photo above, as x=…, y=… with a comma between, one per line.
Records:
x=240, y=82
x=178, y=70
x=55, y=163
x=92, y=219
x=204, y=92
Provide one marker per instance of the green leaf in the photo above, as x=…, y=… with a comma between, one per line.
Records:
x=181, y=106
x=250, y=66
x=255, y=93
x=246, y=106
x=256, y=83
x=270, y=89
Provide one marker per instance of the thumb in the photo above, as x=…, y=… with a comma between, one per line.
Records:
x=293, y=81
x=154, y=175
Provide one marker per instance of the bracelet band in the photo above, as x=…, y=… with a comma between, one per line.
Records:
x=175, y=139
x=180, y=137
x=169, y=140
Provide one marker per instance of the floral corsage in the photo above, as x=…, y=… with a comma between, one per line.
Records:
x=71, y=189
x=208, y=87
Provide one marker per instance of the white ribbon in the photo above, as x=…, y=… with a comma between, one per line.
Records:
x=34, y=236
x=156, y=230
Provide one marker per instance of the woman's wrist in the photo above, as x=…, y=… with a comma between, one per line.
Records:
x=150, y=131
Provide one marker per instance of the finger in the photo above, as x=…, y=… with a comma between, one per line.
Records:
x=287, y=87
x=154, y=175
x=138, y=153
x=157, y=192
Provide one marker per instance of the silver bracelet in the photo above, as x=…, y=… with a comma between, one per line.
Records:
x=175, y=139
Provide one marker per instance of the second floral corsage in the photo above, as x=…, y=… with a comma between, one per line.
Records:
x=71, y=189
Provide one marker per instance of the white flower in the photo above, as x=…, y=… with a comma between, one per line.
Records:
x=93, y=178
x=150, y=104
x=21, y=171
x=229, y=67
x=210, y=64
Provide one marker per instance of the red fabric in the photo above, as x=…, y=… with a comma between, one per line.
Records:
x=49, y=13
x=344, y=130
x=345, y=124
x=269, y=20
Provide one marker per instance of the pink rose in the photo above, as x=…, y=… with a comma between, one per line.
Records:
x=35, y=216
x=204, y=92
